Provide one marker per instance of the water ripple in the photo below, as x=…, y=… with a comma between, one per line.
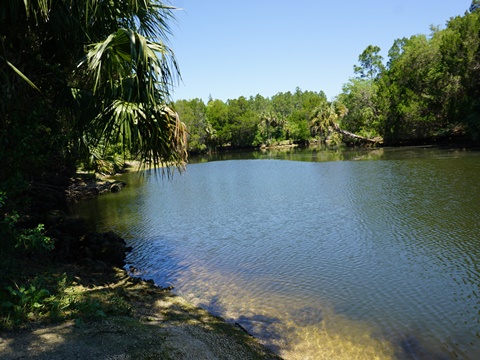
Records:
x=341, y=260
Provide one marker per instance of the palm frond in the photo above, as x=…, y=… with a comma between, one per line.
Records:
x=156, y=136
x=126, y=53
x=40, y=9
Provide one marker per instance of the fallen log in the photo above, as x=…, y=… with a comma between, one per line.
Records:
x=376, y=140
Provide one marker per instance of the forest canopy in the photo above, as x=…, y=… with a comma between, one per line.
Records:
x=427, y=90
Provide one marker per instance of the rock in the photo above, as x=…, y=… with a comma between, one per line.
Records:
x=83, y=190
x=108, y=248
x=117, y=186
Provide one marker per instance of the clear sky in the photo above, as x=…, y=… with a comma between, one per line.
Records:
x=230, y=48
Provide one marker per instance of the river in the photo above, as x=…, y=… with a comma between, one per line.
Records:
x=321, y=254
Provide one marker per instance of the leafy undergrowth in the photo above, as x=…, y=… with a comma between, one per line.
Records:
x=54, y=293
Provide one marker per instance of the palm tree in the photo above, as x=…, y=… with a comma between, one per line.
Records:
x=325, y=120
x=131, y=107
x=105, y=73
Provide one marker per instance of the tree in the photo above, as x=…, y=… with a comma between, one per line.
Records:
x=242, y=122
x=264, y=132
x=460, y=51
x=395, y=51
x=217, y=115
x=259, y=104
x=105, y=76
x=370, y=63
x=297, y=126
x=192, y=114
x=283, y=104
x=474, y=6
x=323, y=118
x=359, y=96
x=411, y=87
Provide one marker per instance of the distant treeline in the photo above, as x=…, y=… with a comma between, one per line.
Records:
x=427, y=89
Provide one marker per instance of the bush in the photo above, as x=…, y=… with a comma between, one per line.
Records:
x=30, y=240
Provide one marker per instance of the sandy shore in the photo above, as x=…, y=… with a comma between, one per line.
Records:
x=161, y=326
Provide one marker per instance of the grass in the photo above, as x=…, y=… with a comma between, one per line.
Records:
x=33, y=291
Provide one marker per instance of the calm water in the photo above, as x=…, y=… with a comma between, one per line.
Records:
x=373, y=257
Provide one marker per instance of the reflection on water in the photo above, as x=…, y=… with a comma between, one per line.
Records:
x=323, y=260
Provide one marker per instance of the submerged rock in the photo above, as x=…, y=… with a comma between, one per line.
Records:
x=108, y=248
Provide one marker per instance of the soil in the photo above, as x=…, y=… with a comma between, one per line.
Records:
x=161, y=326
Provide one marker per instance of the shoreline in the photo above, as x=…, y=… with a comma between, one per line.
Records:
x=123, y=316
x=159, y=325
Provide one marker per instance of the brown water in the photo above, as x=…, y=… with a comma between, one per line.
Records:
x=377, y=258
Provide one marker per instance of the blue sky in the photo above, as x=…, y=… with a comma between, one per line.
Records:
x=230, y=48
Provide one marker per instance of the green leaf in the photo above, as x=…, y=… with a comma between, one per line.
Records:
x=19, y=73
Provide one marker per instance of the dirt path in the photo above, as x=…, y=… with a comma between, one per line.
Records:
x=162, y=326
